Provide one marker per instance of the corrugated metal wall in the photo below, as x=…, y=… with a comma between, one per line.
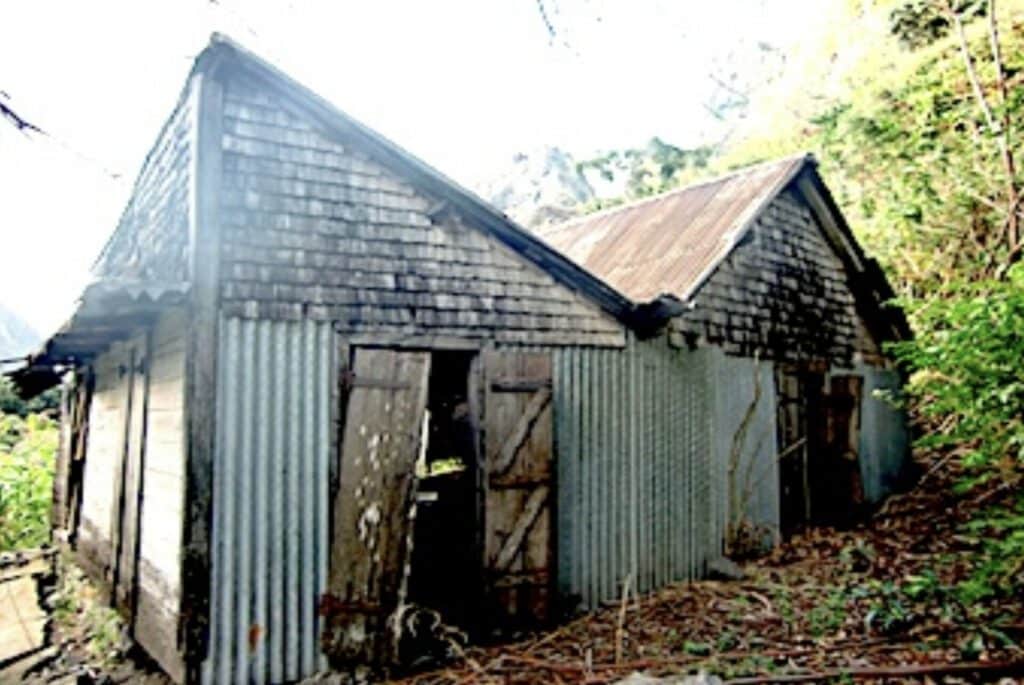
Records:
x=271, y=480
x=737, y=381
x=638, y=491
x=884, y=436
x=635, y=472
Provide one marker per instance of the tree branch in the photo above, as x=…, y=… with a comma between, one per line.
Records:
x=1013, y=224
x=996, y=128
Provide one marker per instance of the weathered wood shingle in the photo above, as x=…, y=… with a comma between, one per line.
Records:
x=151, y=239
x=782, y=293
x=314, y=228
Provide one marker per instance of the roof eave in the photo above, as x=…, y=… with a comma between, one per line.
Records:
x=736, y=237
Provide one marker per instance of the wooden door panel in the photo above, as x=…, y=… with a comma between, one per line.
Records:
x=518, y=460
x=381, y=440
x=837, y=476
x=130, y=489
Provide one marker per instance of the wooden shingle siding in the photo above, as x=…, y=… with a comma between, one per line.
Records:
x=151, y=239
x=781, y=293
x=159, y=570
x=312, y=228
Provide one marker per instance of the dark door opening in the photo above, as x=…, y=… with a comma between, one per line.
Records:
x=470, y=436
x=445, y=566
x=818, y=432
x=483, y=548
x=837, y=493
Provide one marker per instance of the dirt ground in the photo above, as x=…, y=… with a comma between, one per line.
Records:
x=828, y=605
x=864, y=602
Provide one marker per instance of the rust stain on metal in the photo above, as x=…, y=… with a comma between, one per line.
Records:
x=330, y=605
x=667, y=243
x=255, y=632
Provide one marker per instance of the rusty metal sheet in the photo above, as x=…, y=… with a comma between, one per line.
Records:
x=669, y=243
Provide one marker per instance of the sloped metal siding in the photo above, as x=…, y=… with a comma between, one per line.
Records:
x=884, y=436
x=270, y=510
x=637, y=488
x=737, y=381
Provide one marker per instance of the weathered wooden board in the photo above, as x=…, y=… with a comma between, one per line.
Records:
x=161, y=509
x=381, y=439
x=104, y=447
x=22, y=620
x=837, y=476
x=518, y=544
x=131, y=490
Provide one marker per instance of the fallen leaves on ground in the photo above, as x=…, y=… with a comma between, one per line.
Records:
x=827, y=599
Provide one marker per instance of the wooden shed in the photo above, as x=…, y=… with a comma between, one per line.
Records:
x=316, y=383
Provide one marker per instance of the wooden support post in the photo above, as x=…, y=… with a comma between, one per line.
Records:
x=201, y=372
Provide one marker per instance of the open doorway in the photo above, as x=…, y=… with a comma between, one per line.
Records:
x=819, y=429
x=445, y=567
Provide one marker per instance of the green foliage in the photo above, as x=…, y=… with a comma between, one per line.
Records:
x=696, y=648
x=649, y=170
x=921, y=22
x=827, y=617
x=939, y=214
x=890, y=611
x=27, y=450
x=12, y=403
x=999, y=569
x=967, y=373
x=82, y=616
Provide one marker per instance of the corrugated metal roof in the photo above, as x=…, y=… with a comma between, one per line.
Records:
x=669, y=244
x=108, y=310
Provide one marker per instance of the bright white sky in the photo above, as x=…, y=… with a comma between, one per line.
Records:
x=464, y=84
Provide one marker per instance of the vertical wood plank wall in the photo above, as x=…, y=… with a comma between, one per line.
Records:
x=156, y=525
x=159, y=573
x=102, y=465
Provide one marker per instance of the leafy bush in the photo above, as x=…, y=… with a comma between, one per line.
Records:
x=11, y=403
x=27, y=450
x=968, y=376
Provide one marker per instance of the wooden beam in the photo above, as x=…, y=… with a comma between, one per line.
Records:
x=521, y=431
x=201, y=372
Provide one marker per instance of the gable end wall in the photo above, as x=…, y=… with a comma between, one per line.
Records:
x=151, y=240
x=782, y=293
x=314, y=229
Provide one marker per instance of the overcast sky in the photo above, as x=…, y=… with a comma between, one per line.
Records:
x=464, y=84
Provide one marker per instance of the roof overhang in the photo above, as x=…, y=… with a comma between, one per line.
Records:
x=108, y=311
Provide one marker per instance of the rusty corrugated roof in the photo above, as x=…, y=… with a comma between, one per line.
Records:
x=669, y=244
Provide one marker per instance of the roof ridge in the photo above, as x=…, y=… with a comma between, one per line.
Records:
x=719, y=178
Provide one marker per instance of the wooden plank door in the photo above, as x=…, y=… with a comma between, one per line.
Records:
x=370, y=550
x=129, y=499
x=518, y=457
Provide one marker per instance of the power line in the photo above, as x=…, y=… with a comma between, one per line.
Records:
x=25, y=127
